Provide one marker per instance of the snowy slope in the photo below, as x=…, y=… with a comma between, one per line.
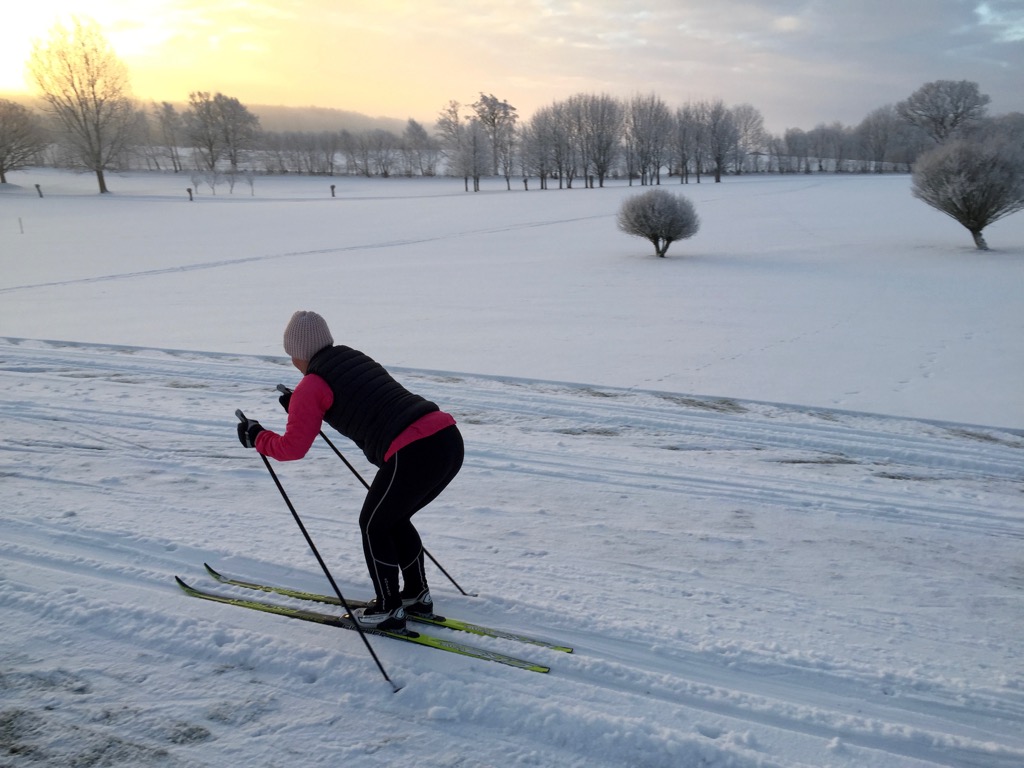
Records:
x=746, y=584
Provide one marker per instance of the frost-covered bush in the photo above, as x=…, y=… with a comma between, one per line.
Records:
x=974, y=181
x=660, y=217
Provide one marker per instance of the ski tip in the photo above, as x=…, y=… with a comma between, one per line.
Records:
x=211, y=571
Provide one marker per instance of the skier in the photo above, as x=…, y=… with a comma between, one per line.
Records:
x=416, y=447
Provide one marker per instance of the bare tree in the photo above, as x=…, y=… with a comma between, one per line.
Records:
x=420, y=150
x=142, y=144
x=507, y=145
x=573, y=115
x=452, y=128
x=475, y=153
x=877, y=133
x=171, y=131
x=273, y=152
x=310, y=152
x=818, y=140
x=974, y=181
x=372, y=152
x=201, y=124
x=797, y=150
x=538, y=145
x=22, y=138
x=942, y=107
x=839, y=138
x=384, y=151
x=325, y=158
x=690, y=146
x=660, y=217
x=357, y=156
x=563, y=145
x=778, y=154
x=750, y=137
x=720, y=135
x=85, y=87
x=498, y=119
x=239, y=128
x=601, y=134
x=648, y=131
x=684, y=141
x=582, y=137
x=220, y=127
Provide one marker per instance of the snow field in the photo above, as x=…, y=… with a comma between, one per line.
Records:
x=779, y=517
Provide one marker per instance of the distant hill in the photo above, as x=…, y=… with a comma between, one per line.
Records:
x=25, y=99
x=279, y=118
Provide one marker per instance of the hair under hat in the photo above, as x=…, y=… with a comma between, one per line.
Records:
x=305, y=335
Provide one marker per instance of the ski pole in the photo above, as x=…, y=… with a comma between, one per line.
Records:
x=283, y=389
x=323, y=565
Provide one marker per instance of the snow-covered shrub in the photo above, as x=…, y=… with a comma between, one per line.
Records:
x=660, y=217
x=974, y=181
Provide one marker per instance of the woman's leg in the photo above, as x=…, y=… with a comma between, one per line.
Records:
x=410, y=480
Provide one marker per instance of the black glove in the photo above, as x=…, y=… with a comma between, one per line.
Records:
x=248, y=431
x=286, y=398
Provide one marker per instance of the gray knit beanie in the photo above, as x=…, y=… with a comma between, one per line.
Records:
x=305, y=335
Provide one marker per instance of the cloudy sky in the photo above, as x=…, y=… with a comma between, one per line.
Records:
x=800, y=62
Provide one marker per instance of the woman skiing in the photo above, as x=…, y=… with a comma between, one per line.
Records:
x=416, y=447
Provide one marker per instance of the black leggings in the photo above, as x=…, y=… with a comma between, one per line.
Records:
x=407, y=482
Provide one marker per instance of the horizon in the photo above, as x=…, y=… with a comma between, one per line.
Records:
x=800, y=66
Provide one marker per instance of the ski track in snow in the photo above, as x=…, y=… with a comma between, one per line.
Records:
x=239, y=260
x=745, y=584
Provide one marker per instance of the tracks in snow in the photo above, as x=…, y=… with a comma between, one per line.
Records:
x=135, y=429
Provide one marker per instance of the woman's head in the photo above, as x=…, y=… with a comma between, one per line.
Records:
x=305, y=335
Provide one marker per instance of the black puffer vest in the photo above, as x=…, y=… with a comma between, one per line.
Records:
x=370, y=408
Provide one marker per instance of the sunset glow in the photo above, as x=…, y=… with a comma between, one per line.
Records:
x=801, y=64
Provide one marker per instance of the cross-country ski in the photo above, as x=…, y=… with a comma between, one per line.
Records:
x=346, y=622
x=432, y=619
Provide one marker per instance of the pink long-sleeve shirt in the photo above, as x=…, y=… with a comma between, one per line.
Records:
x=310, y=400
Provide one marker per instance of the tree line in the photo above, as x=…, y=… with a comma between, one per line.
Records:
x=91, y=122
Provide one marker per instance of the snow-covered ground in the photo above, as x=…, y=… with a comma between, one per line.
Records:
x=839, y=292
x=747, y=483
